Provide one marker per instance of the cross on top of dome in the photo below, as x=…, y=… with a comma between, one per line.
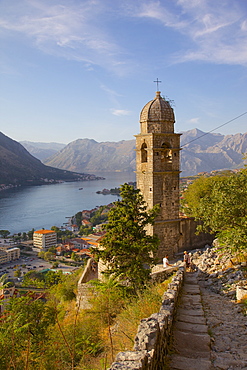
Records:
x=157, y=82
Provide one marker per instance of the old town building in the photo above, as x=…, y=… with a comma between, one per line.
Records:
x=158, y=178
x=157, y=170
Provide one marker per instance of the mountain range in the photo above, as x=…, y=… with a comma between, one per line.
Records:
x=42, y=150
x=19, y=167
x=205, y=152
x=201, y=152
x=89, y=155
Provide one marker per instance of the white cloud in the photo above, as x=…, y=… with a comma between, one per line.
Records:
x=193, y=120
x=120, y=112
x=212, y=31
x=73, y=30
x=109, y=91
x=216, y=31
x=244, y=26
x=155, y=10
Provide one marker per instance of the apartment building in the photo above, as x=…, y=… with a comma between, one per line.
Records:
x=3, y=257
x=13, y=254
x=8, y=254
x=44, y=239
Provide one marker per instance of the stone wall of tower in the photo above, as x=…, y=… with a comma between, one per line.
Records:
x=169, y=234
x=170, y=205
x=157, y=171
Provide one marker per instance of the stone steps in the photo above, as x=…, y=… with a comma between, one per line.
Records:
x=228, y=327
x=190, y=342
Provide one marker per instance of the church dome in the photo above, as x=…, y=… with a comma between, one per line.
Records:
x=157, y=110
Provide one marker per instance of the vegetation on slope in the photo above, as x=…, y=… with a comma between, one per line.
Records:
x=220, y=202
x=127, y=249
x=51, y=333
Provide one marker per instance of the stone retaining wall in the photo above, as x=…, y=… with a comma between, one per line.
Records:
x=150, y=349
x=84, y=288
x=189, y=239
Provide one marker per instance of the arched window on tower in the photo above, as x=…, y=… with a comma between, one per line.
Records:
x=166, y=153
x=144, y=153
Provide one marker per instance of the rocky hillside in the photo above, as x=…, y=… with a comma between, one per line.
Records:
x=221, y=271
x=211, y=151
x=201, y=152
x=89, y=155
x=19, y=167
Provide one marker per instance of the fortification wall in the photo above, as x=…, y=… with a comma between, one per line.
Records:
x=84, y=288
x=151, y=341
x=188, y=238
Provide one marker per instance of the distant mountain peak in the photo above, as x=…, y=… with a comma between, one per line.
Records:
x=201, y=152
x=19, y=167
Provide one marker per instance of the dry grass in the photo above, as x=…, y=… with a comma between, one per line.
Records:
x=128, y=320
x=125, y=326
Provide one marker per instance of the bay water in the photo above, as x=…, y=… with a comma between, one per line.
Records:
x=24, y=208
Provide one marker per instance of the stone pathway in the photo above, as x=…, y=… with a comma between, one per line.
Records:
x=190, y=347
x=228, y=329
x=200, y=313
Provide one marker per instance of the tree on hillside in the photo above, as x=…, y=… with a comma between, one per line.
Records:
x=78, y=218
x=85, y=230
x=222, y=208
x=198, y=190
x=127, y=249
x=98, y=216
x=4, y=233
x=23, y=332
x=62, y=235
x=4, y=283
x=108, y=300
x=30, y=234
x=17, y=273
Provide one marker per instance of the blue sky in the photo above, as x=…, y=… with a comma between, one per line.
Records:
x=74, y=69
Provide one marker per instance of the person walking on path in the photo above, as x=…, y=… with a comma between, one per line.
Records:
x=187, y=259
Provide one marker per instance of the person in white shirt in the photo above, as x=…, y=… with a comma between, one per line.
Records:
x=166, y=262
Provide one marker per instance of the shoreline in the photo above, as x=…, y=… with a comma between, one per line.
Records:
x=4, y=187
x=25, y=207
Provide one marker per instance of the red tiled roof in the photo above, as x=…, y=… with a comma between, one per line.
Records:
x=44, y=231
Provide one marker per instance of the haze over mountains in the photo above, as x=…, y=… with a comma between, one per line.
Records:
x=208, y=152
x=95, y=157
x=19, y=167
x=200, y=152
x=42, y=150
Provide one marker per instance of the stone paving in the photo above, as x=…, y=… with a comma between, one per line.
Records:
x=209, y=332
x=228, y=328
x=190, y=343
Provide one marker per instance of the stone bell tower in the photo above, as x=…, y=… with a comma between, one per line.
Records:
x=157, y=171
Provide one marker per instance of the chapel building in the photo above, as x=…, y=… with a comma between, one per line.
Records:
x=157, y=171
